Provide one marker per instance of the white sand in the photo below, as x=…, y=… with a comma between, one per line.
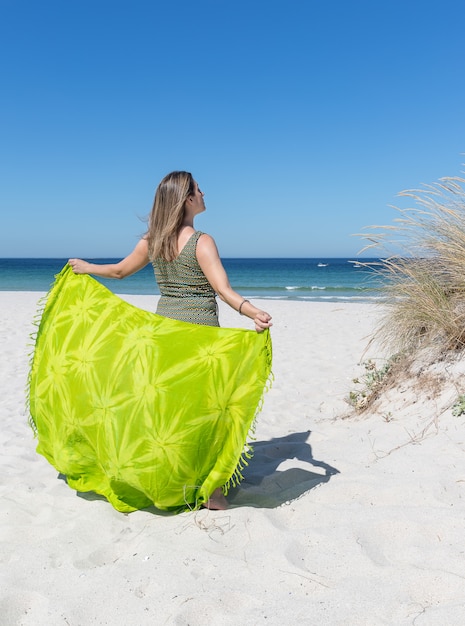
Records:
x=356, y=521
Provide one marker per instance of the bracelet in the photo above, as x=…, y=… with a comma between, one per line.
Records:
x=240, y=306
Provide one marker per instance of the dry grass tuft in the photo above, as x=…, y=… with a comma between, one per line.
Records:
x=423, y=269
x=425, y=278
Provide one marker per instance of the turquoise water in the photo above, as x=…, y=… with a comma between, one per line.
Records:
x=316, y=279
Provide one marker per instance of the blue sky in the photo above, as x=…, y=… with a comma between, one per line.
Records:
x=301, y=120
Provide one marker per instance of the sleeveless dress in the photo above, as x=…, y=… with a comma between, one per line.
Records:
x=186, y=294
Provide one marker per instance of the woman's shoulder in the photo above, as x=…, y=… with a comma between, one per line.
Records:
x=206, y=246
x=204, y=239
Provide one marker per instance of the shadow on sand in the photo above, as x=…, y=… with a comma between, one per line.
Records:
x=265, y=486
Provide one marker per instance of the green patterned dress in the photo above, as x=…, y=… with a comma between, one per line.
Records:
x=142, y=409
x=186, y=294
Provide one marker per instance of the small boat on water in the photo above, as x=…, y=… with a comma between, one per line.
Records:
x=322, y=265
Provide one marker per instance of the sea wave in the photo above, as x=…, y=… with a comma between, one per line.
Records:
x=306, y=288
x=320, y=298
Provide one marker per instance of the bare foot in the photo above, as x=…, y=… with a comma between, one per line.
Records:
x=217, y=501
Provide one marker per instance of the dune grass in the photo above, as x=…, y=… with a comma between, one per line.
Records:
x=425, y=276
x=422, y=267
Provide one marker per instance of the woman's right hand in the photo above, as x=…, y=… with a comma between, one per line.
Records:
x=79, y=266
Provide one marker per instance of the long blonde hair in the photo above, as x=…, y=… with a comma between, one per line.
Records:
x=167, y=214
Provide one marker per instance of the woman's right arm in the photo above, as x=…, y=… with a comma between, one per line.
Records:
x=131, y=264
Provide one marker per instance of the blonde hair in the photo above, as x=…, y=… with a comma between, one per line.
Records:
x=167, y=214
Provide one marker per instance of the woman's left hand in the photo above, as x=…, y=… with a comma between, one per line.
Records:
x=262, y=320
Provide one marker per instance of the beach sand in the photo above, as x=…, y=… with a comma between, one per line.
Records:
x=340, y=521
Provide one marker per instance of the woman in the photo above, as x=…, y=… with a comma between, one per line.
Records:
x=187, y=266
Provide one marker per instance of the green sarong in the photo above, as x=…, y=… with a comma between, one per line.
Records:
x=139, y=408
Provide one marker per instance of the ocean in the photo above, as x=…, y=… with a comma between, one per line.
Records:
x=319, y=279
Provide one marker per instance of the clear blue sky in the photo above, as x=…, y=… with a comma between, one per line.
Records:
x=301, y=120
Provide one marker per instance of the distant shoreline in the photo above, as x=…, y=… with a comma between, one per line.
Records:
x=337, y=279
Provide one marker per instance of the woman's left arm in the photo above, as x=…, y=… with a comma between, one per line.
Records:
x=211, y=265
